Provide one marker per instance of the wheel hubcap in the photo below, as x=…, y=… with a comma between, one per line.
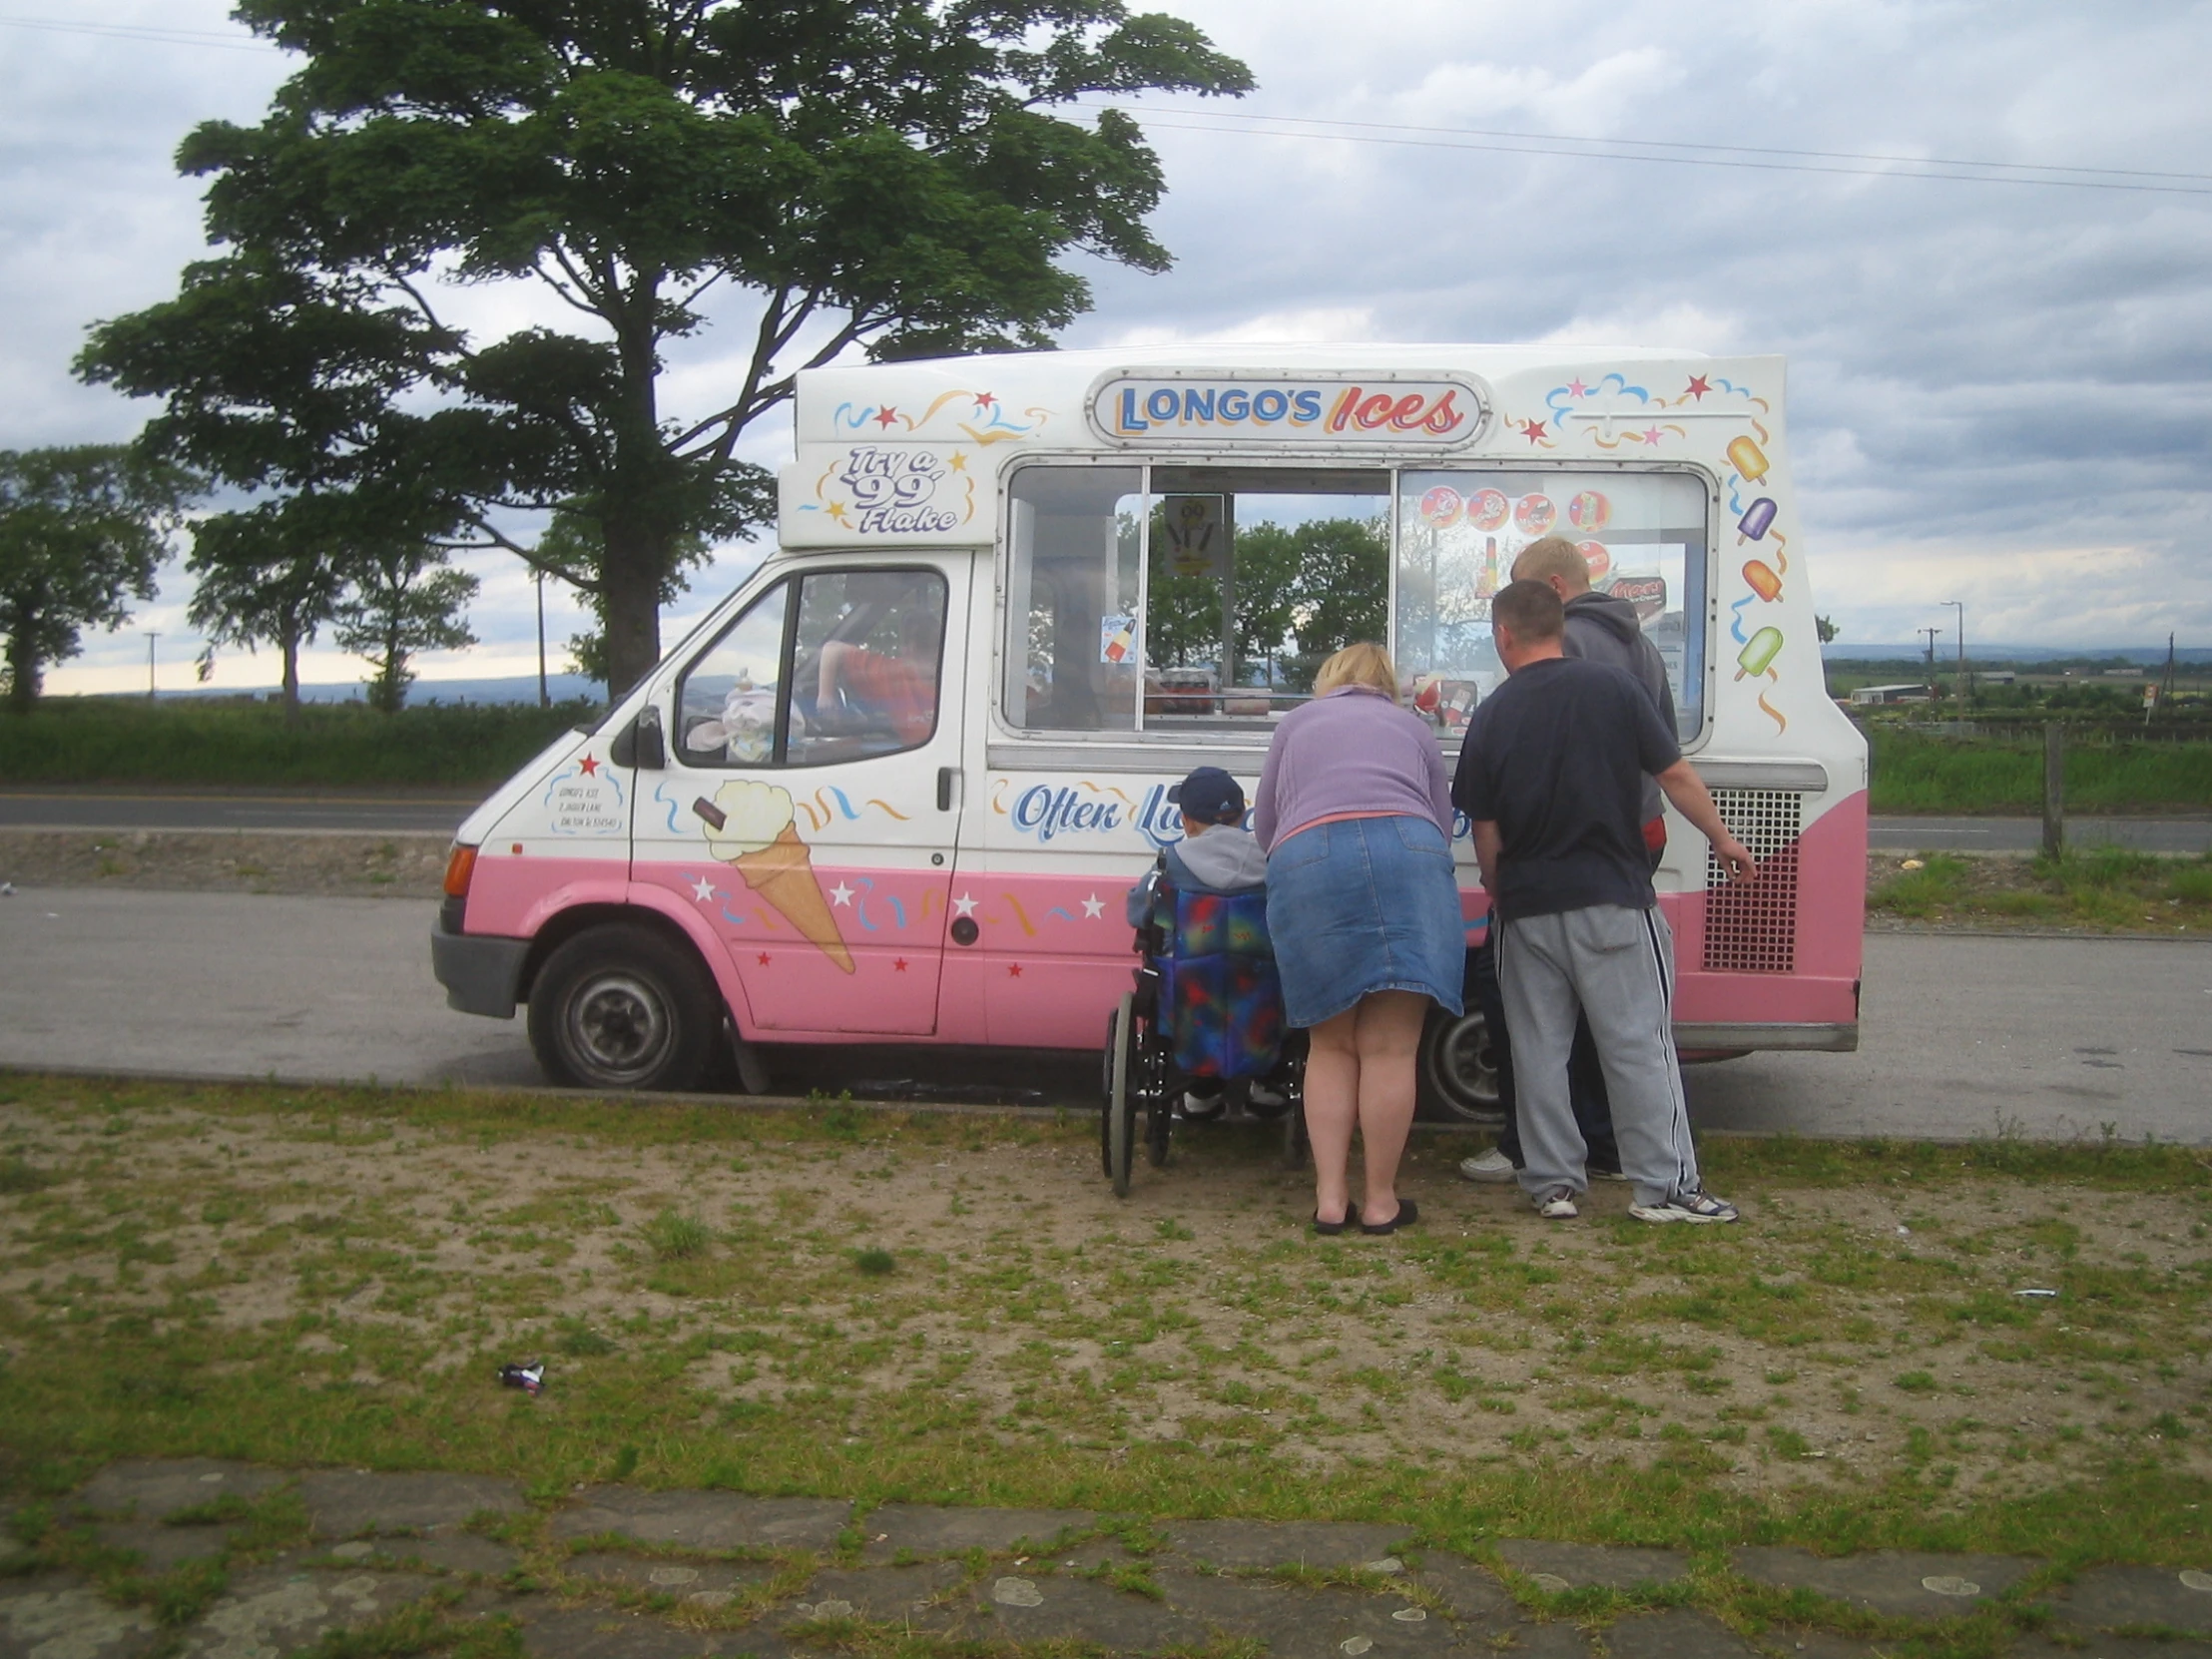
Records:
x=1463, y=1067
x=619, y=1027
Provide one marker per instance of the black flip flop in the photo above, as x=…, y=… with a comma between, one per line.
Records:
x=1330, y=1229
x=1408, y=1213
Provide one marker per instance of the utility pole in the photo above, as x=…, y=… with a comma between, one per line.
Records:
x=152, y=634
x=1966, y=689
x=1931, y=633
x=545, y=700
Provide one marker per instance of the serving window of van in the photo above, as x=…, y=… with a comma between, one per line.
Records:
x=829, y=666
x=1186, y=598
x=1205, y=598
x=1460, y=530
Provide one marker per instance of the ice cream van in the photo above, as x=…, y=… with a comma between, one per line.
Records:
x=893, y=787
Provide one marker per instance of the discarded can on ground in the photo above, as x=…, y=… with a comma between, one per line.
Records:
x=529, y=1379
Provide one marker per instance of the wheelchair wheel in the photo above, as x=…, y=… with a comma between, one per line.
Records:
x=1118, y=1121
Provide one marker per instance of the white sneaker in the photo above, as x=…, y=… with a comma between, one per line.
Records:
x=1557, y=1205
x=1267, y=1099
x=1697, y=1207
x=1199, y=1108
x=1494, y=1167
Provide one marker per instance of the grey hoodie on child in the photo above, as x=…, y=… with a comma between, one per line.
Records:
x=1604, y=629
x=1223, y=860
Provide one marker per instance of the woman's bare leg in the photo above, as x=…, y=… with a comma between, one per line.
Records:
x=1332, y=1106
x=1388, y=1042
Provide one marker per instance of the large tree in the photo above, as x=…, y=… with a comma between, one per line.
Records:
x=824, y=175
x=82, y=531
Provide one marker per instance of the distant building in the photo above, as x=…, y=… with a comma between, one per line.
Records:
x=1877, y=695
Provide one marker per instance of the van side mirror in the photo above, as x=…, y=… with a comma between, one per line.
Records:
x=640, y=744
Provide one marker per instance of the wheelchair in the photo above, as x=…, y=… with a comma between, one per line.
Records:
x=1206, y=1008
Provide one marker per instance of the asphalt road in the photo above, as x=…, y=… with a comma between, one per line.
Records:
x=1963, y=1036
x=89, y=808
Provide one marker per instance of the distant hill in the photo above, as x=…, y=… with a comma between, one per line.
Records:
x=518, y=688
x=1997, y=653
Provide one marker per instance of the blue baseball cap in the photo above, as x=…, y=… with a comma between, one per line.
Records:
x=1211, y=796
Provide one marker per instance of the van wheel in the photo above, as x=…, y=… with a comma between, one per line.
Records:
x=1459, y=1068
x=620, y=1007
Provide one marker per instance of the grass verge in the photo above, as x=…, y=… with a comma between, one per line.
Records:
x=103, y=739
x=332, y=1278
x=2105, y=890
x=1912, y=772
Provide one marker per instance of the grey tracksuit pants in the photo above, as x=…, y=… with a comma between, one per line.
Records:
x=1616, y=966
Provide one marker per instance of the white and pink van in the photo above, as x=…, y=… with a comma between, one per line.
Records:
x=893, y=790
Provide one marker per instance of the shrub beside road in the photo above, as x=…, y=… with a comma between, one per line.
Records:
x=104, y=739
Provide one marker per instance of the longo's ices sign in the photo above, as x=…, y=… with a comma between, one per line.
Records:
x=1236, y=410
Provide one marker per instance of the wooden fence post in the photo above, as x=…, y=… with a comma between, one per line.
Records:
x=2054, y=790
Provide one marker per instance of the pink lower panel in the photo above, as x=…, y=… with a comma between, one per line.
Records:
x=514, y=894
x=1827, y=945
x=835, y=950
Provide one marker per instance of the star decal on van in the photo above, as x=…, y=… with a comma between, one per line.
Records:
x=964, y=905
x=1094, y=909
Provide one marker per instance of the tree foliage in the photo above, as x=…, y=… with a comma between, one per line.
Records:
x=824, y=174
x=82, y=531
x=1301, y=592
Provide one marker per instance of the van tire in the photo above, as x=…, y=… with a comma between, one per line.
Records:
x=621, y=1007
x=1459, y=1069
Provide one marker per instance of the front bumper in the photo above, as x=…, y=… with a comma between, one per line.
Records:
x=482, y=975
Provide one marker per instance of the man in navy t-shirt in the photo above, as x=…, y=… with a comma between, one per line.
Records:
x=1553, y=776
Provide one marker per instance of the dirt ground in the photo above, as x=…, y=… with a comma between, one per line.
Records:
x=227, y=860
x=1845, y=1337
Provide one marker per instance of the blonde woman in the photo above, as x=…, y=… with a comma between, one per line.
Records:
x=1355, y=811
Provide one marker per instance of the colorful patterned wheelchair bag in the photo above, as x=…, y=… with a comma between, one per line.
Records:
x=1220, y=988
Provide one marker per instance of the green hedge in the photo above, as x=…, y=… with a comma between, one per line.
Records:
x=1916, y=772
x=101, y=740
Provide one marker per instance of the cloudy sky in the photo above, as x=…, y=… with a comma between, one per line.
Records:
x=2001, y=386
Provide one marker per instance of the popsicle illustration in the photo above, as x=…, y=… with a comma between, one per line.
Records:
x=1747, y=459
x=755, y=834
x=1763, y=582
x=1759, y=652
x=1758, y=517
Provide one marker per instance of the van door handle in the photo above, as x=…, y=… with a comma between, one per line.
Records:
x=946, y=777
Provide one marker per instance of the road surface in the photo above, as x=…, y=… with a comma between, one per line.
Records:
x=1963, y=1036
x=89, y=808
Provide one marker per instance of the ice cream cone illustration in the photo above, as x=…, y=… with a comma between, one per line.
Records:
x=755, y=834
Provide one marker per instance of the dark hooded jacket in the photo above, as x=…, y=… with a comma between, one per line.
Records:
x=1604, y=629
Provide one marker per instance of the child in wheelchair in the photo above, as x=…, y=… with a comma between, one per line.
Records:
x=1232, y=1030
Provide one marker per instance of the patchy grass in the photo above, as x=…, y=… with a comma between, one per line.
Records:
x=2100, y=889
x=332, y=1277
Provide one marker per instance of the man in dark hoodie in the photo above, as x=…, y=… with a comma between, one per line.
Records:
x=1605, y=630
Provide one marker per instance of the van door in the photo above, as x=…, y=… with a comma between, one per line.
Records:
x=809, y=809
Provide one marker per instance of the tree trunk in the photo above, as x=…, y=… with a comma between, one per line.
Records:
x=291, y=645
x=23, y=671
x=632, y=600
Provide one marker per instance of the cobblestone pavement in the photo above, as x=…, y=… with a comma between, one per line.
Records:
x=621, y=1573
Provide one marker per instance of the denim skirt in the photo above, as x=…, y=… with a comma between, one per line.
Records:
x=1365, y=904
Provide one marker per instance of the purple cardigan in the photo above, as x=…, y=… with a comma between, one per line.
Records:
x=1353, y=751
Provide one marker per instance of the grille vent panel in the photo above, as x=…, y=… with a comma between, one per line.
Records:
x=1752, y=928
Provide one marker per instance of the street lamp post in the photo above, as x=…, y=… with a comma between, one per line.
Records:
x=1965, y=689
x=152, y=634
